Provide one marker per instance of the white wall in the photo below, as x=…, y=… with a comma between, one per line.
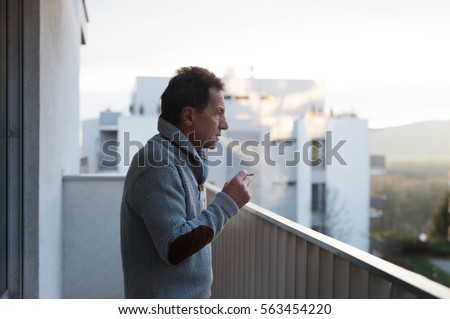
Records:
x=60, y=40
x=91, y=236
x=352, y=181
x=303, y=176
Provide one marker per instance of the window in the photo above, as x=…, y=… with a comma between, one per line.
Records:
x=3, y=155
x=236, y=97
x=11, y=143
x=3, y=198
x=318, y=198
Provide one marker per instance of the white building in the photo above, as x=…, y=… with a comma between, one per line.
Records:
x=146, y=96
x=333, y=180
x=110, y=141
x=130, y=130
x=98, y=143
x=271, y=122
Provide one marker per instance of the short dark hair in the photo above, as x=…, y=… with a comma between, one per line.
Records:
x=189, y=87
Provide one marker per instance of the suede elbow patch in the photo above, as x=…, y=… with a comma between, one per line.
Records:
x=188, y=244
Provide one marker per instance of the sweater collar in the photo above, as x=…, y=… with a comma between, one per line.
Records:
x=175, y=136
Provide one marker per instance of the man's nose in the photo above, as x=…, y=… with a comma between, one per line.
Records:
x=224, y=124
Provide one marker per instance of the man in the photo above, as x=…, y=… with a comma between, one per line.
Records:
x=166, y=227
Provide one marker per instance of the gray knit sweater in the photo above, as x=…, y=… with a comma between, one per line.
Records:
x=166, y=227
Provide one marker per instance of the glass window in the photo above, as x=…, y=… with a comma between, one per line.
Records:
x=3, y=204
x=3, y=153
x=318, y=198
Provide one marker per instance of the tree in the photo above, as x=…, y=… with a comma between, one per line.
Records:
x=441, y=218
x=410, y=201
x=335, y=220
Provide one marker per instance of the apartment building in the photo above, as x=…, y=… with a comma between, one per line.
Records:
x=272, y=122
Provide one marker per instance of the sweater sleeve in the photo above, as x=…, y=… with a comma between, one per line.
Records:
x=161, y=201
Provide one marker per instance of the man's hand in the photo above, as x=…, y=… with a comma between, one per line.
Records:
x=239, y=188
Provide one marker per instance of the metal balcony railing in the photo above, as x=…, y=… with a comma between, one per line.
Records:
x=260, y=254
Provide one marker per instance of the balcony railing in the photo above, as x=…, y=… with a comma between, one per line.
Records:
x=263, y=255
x=258, y=255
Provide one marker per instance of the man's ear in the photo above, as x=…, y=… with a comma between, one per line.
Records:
x=186, y=115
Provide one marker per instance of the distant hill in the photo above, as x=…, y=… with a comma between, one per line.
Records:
x=422, y=141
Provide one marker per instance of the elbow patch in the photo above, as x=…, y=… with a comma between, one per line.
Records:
x=188, y=244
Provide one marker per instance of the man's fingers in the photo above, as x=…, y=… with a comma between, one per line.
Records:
x=239, y=188
x=242, y=174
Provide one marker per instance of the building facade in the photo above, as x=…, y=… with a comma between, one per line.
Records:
x=39, y=111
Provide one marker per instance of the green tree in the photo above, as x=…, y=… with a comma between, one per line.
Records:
x=441, y=218
x=412, y=191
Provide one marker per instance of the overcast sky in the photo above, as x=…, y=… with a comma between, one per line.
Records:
x=387, y=60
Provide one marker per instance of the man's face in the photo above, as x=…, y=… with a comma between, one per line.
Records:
x=208, y=124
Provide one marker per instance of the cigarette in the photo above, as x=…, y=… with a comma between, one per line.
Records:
x=250, y=174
